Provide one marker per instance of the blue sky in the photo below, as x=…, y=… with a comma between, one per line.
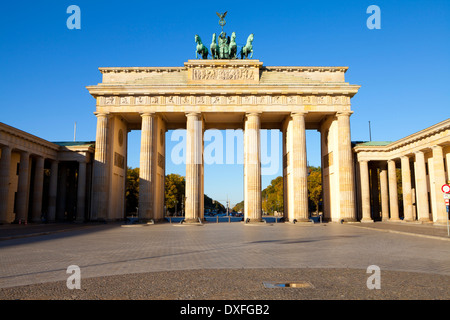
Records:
x=403, y=67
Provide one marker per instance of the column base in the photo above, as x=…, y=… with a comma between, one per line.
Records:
x=366, y=220
x=425, y=220
x=301, y=222
x=411, y=221
x=254, y=221
x=348, y=220
x=197, y=221
x=441, y=222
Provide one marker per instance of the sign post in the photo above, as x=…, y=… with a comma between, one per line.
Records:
x=446, y=190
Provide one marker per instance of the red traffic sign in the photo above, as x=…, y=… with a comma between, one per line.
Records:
x=445, y=188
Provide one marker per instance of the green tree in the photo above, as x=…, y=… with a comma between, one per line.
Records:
x=272, y=196
x=174, y=192
x=132, y=190
x=315, y=186
x=239, y=206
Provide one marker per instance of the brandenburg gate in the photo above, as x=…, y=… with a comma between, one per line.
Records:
x=223, y=94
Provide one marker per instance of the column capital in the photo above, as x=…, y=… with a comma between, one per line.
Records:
x=253, y=114
x=146, y=114
x=344, y=113
x=298, y=114
x=193, y=114
x=436, y=146
x=102, y=114
x=418, y=152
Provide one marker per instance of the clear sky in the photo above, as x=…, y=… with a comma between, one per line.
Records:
x=403, y=68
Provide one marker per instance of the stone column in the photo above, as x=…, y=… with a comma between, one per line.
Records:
x=447, y=161
x=194, y=164
x=252, y=168
x=52, y=192
x=299, y=169
x=384, y=193
x=439, y=180
x=406, y=186
x=346, y=172
x=5, y=167
x=365, y=191
x=393, y=192
x=62, y=193
x=423, y=213
x=81, y=191
x=146, y=173
x=374, y=193
x=23, y=187
x=36, y=212
x=100, y=174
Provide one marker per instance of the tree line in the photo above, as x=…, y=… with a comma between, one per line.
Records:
x=174, y=194
x=175, y=184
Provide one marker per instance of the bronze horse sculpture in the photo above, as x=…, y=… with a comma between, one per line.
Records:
x=248, y=48
x=201, y=48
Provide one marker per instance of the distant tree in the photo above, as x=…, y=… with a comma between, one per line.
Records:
x=315, y=186
x=132, y=190
x=211, y=204
x=272, y=196
x=239, y=206
x=174, y=191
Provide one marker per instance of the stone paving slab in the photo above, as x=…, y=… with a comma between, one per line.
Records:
x=124, y=262
x=242, y=284
x=438, y=231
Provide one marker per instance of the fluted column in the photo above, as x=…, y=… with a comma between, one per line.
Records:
x=81, y=191
x=423, y=212
x=146, y=168
x=299, y=168
x=194, y=164
x=252, y=168
x=406, y=186
x=52, y=191
x=38, y=189
x=439, y=181
x=365, y=191
x=384, y=193
x=393, y=193
x=375, y=193
x=23, y=187
x=346, y=172
x=100, y=174
x=5, y=167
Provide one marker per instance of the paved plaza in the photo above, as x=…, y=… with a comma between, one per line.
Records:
x=224, y=261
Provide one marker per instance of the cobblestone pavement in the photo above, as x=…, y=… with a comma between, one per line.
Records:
x=224, y=261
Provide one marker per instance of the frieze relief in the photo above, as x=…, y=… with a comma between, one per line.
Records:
x=223, y=74
x=276, y=99
x=125, y=100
